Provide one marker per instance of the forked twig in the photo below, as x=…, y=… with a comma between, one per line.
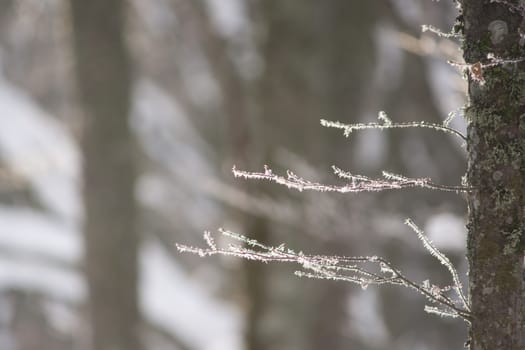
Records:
x=388, y=124
x=362, y=270
x=357, y=183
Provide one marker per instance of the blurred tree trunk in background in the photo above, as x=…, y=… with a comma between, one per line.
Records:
x=317, y=56
x=241, y=149
x=110, y=229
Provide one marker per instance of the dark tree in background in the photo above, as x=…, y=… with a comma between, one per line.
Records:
x=314, y=58
x=493, y=49
x=110, y=229
x=493, y=34
x=251, y=96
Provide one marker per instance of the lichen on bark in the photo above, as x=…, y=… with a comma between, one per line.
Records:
x=496, y=147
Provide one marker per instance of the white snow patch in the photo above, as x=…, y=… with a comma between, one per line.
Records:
x=184, y=307
x=62, y=317
x=166, y=133
x=228, y=16
x=447, y=231
x=39, y=148
x=61, y=284
x=29, y=231
x=168, y=137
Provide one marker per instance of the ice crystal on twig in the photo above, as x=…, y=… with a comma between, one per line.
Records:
x=440, y=312
x=386, y=123
x=384, y=118
x=432, y=249
x=477, y=69
x=362, y=270
x=449, y=119
x=356, y=183
x=438, y=32
x=360, y=183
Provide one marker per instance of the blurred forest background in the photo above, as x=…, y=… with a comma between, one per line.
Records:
x=121, y=121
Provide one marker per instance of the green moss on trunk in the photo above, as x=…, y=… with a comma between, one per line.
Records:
x=496, y=147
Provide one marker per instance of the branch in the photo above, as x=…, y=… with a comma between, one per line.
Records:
x=358, y=183
x=476, y=69
x=388, y=124
x=432, y=249
x=362, y=270
x=439, y=32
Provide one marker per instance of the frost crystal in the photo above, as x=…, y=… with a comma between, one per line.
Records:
x=355, y=269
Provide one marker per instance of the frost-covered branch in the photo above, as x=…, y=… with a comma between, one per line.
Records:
x=360, y=183
x=363, y=270
x=386, y=123
x=438, y=32
x=476, y=69
x=356, y=183
x=432, y=249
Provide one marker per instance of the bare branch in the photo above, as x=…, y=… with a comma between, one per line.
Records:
x=358, y=183
x=362, y=270
x=432, y=249
x=476, y=69
x=388, y=124
x=439, y=32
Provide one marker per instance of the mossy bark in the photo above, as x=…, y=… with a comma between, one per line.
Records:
x=496, y=148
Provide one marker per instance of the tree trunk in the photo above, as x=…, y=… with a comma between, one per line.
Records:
x=496, y=148
x=110, y=229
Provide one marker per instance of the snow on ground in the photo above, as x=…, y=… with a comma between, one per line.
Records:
x=184, y=307
x=38, y=253
x=166, y=133
x=32, y=232
x=38, y=148
x=39, y=250
x=168, y=137
x=60, y=284
x=168, y=296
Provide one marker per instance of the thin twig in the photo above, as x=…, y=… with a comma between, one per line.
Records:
x=341, y=268
x=348, y=128
x=435, y=252
x=358, y=183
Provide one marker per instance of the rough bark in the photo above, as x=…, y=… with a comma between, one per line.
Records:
x=496, y=145
x=110, y=229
